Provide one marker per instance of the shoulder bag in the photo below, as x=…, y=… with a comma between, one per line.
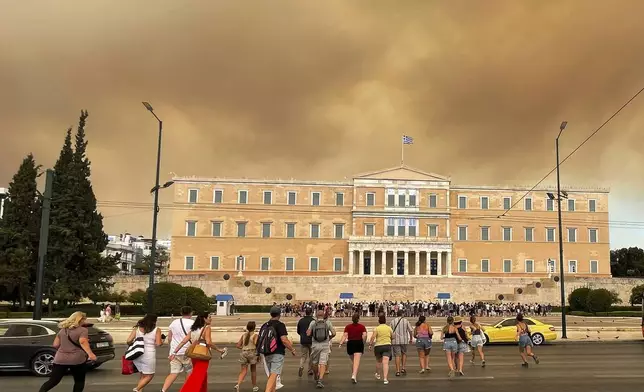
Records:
x=136, y=349
x=199, y=349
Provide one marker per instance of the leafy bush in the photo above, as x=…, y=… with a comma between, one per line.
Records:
x=137, y=297
x=197, y=299
x=580, y=313
x=619, y=314
x=636, y=294
x=600, y=300
x=253, y=309
x=168, y=299
x=578, y=299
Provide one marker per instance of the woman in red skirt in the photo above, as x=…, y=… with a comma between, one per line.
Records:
x=197, y=381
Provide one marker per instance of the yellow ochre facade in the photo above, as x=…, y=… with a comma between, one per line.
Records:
x=393, y=222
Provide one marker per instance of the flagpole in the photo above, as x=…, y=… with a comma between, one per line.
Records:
x=402, y=151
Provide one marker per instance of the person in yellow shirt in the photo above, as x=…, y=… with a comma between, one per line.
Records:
x=381, y=344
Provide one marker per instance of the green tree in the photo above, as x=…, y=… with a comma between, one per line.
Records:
x=600, y=300
x=143, y=266
x=578, y=299
x=76, y=266
x=137, y=297
x=627, y=262
x=19, y=232
x=637, y=293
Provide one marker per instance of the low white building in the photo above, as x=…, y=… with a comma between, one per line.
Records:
x=4, y=192
x=132, y=250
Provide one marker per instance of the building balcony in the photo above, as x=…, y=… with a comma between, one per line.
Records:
x=383, y=240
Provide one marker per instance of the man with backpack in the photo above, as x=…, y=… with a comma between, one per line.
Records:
x=272, y=344
x=322, y=331
x=305, y=340
x=178, y=330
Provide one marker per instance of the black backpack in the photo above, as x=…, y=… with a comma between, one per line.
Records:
x=267, y=340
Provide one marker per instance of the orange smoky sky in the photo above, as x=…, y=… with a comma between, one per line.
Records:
x=324, y=90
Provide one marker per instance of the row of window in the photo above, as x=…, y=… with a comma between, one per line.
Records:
x=266, y=229
x=400, y=198
x=528, y=266
x=264, y=263
x=527, y=204
x=507, y=234
x=242, y=197
x=395, y=227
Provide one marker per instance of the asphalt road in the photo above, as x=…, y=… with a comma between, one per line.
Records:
x=571, y=367
x=239, y=321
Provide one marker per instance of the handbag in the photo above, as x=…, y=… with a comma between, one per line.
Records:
x=136, y=349
x=127, y=366
x=199, y=349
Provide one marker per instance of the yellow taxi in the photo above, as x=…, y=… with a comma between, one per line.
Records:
x=505, y=331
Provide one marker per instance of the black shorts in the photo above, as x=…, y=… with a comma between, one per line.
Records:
x=355, y=347
x=382, y=351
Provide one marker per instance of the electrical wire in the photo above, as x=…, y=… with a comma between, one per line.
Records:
x=575, y=150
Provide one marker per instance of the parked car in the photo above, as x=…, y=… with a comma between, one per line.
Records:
x=27, y=345
x=505, y=331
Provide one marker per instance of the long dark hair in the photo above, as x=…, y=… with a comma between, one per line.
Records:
x=148, y=323
x=420, y=321
x=250, y=327
x=200, y=321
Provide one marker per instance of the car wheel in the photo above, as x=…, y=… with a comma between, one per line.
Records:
x=537, y=339
x=487, y=340
x=41, y=363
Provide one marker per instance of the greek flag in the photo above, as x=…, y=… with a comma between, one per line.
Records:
x=408, y=139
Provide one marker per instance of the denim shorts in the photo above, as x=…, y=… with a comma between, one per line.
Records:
x=450, y=345
x=423, y=344
x=525, y=341
x=463, y=347
x=477, y=341
x=274, y=362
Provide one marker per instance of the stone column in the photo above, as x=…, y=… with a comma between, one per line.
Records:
x=417, y=260
x=439, y=264
x=428, y=262
x=406, y=262
x=351, y=265
x=361, y=262
x=383, y=267
x=449, y=263
x=372, y=270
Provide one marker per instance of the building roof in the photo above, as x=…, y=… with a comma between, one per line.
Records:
x=401, y=173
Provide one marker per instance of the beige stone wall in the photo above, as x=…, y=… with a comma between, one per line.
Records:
x=328, y=288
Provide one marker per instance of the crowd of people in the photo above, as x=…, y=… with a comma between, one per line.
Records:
x=417, y=308
x=190, y=342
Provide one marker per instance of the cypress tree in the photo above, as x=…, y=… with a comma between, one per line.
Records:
x=62, y=240
x=19, y=232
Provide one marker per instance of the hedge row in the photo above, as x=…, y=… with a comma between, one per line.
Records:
x=252, y=308
x=557, y=309
x=92, y=311
x=607, y=314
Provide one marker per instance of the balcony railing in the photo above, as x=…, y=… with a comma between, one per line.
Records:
x=399, y=239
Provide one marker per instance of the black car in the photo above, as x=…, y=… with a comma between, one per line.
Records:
x=27, y=345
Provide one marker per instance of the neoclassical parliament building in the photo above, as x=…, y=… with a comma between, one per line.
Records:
x=393, y=222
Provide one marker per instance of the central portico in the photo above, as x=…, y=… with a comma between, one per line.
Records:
x=408, y=233
x=399, y=256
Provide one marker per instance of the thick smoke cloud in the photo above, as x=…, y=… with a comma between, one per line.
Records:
x=323, y=89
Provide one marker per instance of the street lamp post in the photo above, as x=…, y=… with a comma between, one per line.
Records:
x=561, y=260
x=153, y=250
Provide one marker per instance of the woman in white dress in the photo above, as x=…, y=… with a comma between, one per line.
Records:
x=146, y=363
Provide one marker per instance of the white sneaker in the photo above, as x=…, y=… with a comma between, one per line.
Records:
x=279, y=385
